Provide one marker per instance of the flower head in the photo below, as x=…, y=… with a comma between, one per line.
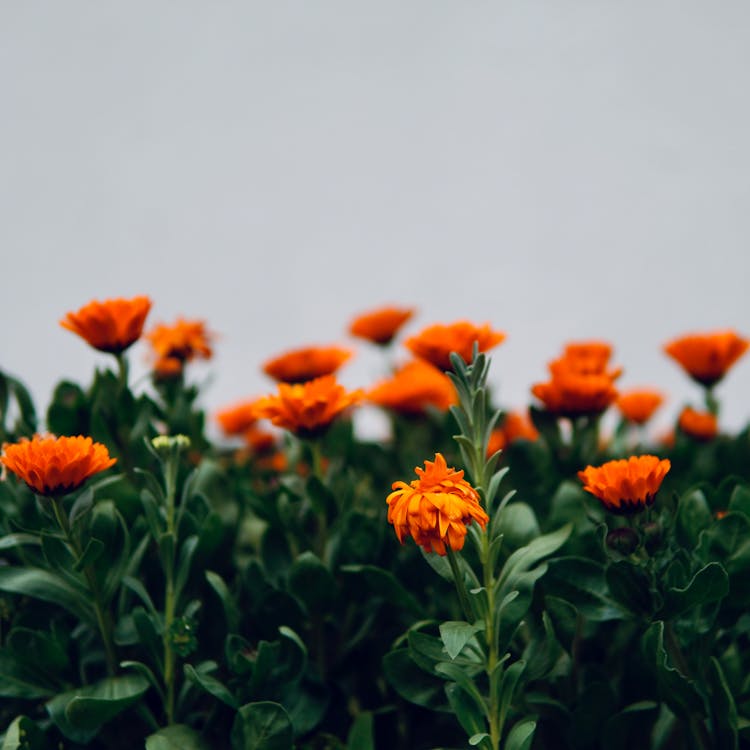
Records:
x=413, y=388
x=706, y=357
x=55, y=466
x=176, y=344
x=307, y=363
x=236, y=419
x=307, y=409
x=515, y=426
x=110, y=325
x=628, y=485
x=638, y=405
x=435, y=343
x=381, y=325
x=699, y=425
x=436, y=508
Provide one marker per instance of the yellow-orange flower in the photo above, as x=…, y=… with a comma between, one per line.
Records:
x=699, y=425
x=706, y=357
x=55, y=466
x=436, y=508
x=176, y=344
x=639, y=404
x=435, y=343
x=236, y=419
x=307, y=363
x=307, y=409
x=110, y=325
x=628, y=485
x=586, y=358
x=381, y=325
x=515, y=426
x=413, y=388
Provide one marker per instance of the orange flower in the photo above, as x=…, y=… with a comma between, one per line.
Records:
x=111, y=325
x=586, y=358
x=259, y=441
x=178, y=343
x=307, y=409
x=699, y=425
x=435, y=343
x=236, y=419
x=381, y=325
x=307, y=363
x=414, y=387
x=628, y=485
x=707, y=357
x=435, y=509
x=55, y=466
x=639, y=404
x=515, y=426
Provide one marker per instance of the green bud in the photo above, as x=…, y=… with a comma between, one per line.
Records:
x=623, y=540
x=165, y=443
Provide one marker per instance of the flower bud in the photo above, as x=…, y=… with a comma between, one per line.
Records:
x=652, y=536
x=622, y=540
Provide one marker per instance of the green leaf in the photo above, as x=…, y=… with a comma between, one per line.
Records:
x=10, y=541
x=456, y=634
x=211, y=685
x=383, y=583
x=40, y=584
x=360, y=735
x=176, y=737
x=412, y=683
x=94, y=705
x=542, y=652
x=262, y=726
x=471, y=718
x=630, y=586
x=693, y=516
x=521, y=736
x=49, y=653
x=90, y=555
x=631, y=727
x=20, y=679
x=312, y=583
x=518, y=525
x=187, y=550
x=24, y=734
x=458, y=675
x=723, y=708
x=231, y=612
x=709, y=584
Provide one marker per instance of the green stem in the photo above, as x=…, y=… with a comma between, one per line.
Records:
x=458, y=579
x=322, y=517
x=103, y=617
x=170, y=482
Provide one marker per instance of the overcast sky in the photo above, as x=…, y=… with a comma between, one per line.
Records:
x=562, y=170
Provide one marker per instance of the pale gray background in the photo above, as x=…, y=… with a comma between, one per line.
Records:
x=559, y=169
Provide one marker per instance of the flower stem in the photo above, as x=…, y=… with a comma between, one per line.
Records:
x=170, y=486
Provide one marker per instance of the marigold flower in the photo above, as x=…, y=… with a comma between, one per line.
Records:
x=55, y=466
x=706, y=357
x=413, y=388
x=435, y=343
x=381, y=325
x=236, y=419
x=436, y=508
x=628, y=485
x=307, y=409
x=699, y=425
x=307, y=363
x=587, y=358
x=639, y=404
x=110, y=325
x=515, y=426
x=176, y=344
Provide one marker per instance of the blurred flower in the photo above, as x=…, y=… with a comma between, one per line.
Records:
x=515, y=426
x=413, y=388
x=628, y=485
x=706, y=357
x=307, y=363
x=587, y=358
x=638, y=405
x=381, y=325
x=699, y=425
x=307, y=409
x=435, y=509
x=110, y=325
x=236, y=419
x=178, y=343
x=435, y=343
x=55, y=466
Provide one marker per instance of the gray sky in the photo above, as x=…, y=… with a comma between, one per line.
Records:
x=560, y=169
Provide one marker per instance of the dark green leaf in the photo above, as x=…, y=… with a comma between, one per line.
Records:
x=262, y=726
x=630, y=586
x=312, y=583
x=211, y=685
x=361, y=735
x=709, y=584
x=39, y=584
x=24, y=734
x=176, y=737
x=521, y=736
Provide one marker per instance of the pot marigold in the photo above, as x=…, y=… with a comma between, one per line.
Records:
x=381, y=325
x=176, y=344
x=110, y=325
x=436, y=508
x=639, y=404
x=435, y=343
x=236, y=419
x=413, y=388
x=515, y=426
x=306, y=363
x=706, y=357
x=55, y=466
x=307, y=409
x=628, y=485
x=699, y=425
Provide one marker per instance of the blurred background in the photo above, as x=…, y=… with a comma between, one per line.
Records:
x=559, y=170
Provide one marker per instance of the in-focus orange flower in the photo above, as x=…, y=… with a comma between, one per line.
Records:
x=436, y=508
x=628, y=485
x=110, y=325
x=381, y=325
x=176, y=344
x=707, y=357
x=307, y=363
x=55, y=466
x=515, y=426
x=236, y=419
x=413, y=388
x=435, y=343
x=639, y=404
x=699, y=425
x=307, y=409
